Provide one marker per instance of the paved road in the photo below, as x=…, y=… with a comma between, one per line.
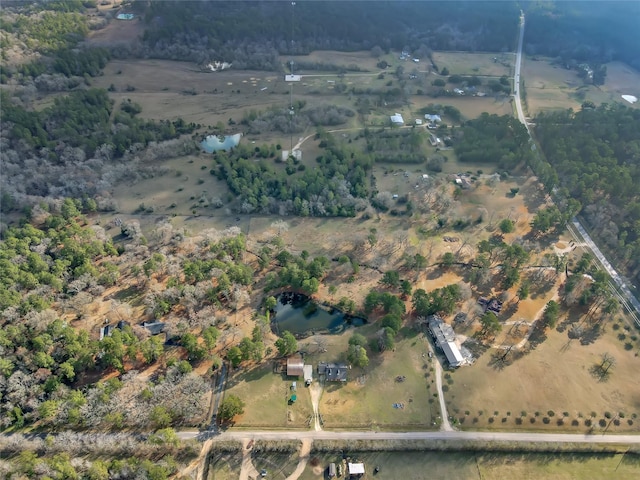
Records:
x=615, y=276
x=451, y=435
x=516, y=75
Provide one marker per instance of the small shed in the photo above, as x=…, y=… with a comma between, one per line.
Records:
x=332, y=470
x=308, y=374
x=295, y=366
x=355, y=468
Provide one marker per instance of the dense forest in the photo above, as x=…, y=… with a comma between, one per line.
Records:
x=596, y=155
x=589, y=32
x=336, y=186
x=251, y=34
x=502, y=140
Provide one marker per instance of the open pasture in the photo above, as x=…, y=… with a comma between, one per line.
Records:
x=362, y=59
x=481, y=64
x=367, y=399
x=470, y=107
x=554, y=377
x=266, y=395
x=552, y=87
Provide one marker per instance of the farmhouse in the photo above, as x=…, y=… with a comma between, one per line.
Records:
x=295, y=366
x=418, y=121
x=493, y=305
x=434, y=141
x=106, y=331
x=444, y=337
x=155, y=328
x=397, y=119
x=433, y=118
x=333, y=372
x=292, y=78
x=125, y=16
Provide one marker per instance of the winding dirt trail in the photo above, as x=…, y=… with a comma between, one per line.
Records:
x=248, y=470
x=305, y=450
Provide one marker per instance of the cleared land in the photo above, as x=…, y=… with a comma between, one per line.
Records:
x=400, y=377
x=552, y=87
x=481, y=64
x=267, y=397
x=554, y=377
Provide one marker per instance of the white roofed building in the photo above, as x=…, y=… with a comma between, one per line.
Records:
x=397, y=119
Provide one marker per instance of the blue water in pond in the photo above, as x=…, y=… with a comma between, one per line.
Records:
x=301, y=316
x=214, y=143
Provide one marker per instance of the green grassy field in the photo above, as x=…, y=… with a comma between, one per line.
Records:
x=368, y=397
x=266, y=397
x=463, y=63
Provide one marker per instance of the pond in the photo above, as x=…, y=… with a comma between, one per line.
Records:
x=302, y=316
x=213, y=143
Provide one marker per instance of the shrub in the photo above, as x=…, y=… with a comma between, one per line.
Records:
x=608, y=415
x=546, y=420
x=551, y=413
x=602, y=422
x=575, y=422
x=518, y=421
x=560, y=422
x=532, y=420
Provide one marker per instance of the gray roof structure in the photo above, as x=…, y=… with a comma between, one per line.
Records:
x=454, y=357
x=441, y=331
x=333, y=372
x=445, y=340
x=154, y=328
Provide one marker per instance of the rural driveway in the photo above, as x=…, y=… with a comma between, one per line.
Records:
x=446, y=426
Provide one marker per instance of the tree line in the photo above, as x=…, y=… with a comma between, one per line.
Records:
x=593, y=157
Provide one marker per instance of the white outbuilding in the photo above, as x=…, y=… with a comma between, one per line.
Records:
x=397, y=119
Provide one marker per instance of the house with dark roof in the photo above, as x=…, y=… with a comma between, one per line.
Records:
x=333, y=372
x=106, y=331
x=493, y=305
x=155, y=328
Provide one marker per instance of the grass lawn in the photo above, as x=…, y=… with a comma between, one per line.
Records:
x=266, y=397
x=225, y=466
x=552, y=87
x=367, y=398
x=278, y=465
x=464, y=63
x=553, y=378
